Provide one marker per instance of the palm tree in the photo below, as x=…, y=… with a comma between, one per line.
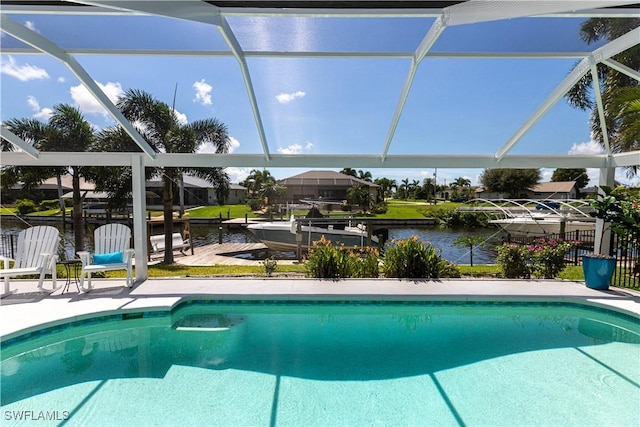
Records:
x=611, y=81
x=349, y=171
x=258, y=179
x=158, y=124
x=405, y=186
x=429, y=188
x=461, y=182
x=386, y=186
x=414, y=187
x=624, y=107
x=365, y=175
x=358, y=194
x=67, y=130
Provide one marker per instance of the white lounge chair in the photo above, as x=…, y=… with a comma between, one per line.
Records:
x=37, y=254
x=112, y=252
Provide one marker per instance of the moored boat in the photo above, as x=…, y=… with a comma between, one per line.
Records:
x=284, y=235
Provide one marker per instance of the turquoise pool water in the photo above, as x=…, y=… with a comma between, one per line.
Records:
x=263, y=364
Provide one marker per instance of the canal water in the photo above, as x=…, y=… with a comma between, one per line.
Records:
x=203, y=234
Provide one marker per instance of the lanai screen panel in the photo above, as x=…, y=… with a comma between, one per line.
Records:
x=311, y=81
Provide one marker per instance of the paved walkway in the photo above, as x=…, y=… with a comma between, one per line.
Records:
x=28, y=310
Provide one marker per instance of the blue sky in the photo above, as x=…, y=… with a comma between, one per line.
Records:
x=321, y=105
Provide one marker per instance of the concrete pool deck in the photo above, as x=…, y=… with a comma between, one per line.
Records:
x=28, y=310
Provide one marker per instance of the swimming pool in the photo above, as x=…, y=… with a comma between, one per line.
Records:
x=283, y=363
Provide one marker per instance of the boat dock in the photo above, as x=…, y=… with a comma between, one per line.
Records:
x=217, y=254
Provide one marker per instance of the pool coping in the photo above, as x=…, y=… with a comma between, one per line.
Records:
x=27, y=310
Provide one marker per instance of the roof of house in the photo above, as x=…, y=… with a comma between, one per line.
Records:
x=193, y=182
x=67, y=185
x=553, y=187
x=324, y=177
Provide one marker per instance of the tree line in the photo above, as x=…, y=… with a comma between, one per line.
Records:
x=67, y=130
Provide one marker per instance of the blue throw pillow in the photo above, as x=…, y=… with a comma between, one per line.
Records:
x=110, y=258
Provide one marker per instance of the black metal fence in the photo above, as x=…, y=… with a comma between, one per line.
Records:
x=8, y=244
x=626, y=249
x=584, y=243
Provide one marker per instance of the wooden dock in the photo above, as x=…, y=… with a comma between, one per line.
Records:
x=218, y=254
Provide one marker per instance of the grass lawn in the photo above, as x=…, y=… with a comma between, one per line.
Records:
x=227, y=211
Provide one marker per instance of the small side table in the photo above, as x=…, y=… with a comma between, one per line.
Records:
x=76, y=264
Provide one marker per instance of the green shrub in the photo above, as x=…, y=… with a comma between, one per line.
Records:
x=254, y=204
x=364, y=262
x=46, y=205
x=380, y=208
x=326, y=261
x=270, y=265
x=25, y=206
x=411, y=258
x=547, y=256
x=544, y=258
x=513, y=261
x=448, y=269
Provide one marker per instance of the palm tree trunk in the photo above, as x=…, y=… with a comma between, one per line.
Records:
x=181, y=192
x=168, y=214
x=78, y=226
x=63, y=208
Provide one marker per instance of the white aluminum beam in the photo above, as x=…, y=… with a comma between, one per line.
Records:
x=22, y=50
x=192, y=10
x=19, y=143
x=34, y=39
x=371, y=161
x=234, y=45
x=627, y=159
x=425, y=45
x=475, y=11
x=139, y=216
x=592, y=12
x=610, y=49
x=622, y=68
x=597, y=93
x=197, y=11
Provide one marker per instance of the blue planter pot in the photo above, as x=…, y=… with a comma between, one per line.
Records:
x=598, y=271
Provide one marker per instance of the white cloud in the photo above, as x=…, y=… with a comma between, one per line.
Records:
x=88, y=104
x=285, y=98
x=233, y=144
x=591, y=147
x=39, y=113
x=291, y=149
x=203, y=92
x=545, y=175
x=24, y=72
x=180, y=117
x=61, y=80
x=296, y=148
x=586, y=148
x=33, y=103
x=210, y=148
x=31, y=25
x=237, y=175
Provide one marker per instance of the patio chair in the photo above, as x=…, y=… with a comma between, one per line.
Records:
x=36, y=254
x=112, y=252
